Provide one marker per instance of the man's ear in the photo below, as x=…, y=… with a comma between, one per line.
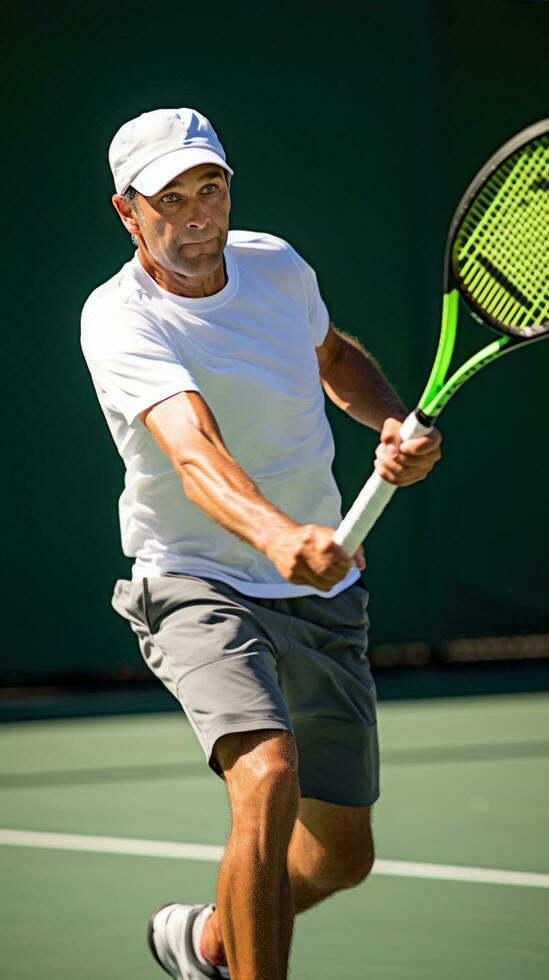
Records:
x=126, y=213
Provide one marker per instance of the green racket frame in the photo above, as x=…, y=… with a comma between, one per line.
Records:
x=438, y=391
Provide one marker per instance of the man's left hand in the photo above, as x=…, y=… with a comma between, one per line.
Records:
x=403, y=463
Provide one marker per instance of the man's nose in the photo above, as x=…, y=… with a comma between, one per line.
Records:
x=197, y=219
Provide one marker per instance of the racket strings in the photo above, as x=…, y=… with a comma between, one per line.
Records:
x=505, y=278
x=502, y=247
x=495, y=223
x=508, y=250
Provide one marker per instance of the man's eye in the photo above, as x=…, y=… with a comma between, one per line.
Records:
x=165, y=197
x=211, y=186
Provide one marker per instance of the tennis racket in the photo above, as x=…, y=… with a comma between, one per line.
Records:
x=497, y=260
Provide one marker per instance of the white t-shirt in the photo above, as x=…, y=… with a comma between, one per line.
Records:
x=250, y=351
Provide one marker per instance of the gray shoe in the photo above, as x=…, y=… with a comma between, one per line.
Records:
x=170, y=937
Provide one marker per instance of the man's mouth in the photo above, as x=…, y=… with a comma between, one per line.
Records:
x=200, y=243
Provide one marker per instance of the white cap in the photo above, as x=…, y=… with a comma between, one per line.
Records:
x=150, y=150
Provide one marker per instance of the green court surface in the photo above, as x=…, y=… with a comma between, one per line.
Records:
x=465, y=784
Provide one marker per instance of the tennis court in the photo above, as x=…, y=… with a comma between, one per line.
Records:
x=465, y=794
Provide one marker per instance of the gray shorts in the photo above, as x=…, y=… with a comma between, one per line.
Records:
x=239, y=664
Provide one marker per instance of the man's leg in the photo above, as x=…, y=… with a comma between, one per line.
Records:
x=331, y=848
x=255, y=908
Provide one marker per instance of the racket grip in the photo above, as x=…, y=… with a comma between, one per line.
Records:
x=374, y=496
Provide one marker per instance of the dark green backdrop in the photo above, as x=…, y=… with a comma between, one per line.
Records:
x=352, y=128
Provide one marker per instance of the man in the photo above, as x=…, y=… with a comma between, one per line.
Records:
x=208, y=352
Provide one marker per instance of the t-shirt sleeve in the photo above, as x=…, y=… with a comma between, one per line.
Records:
x=133, y=363
x=319, y=318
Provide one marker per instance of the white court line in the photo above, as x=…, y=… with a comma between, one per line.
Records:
x=207, y=852
x=111, y=845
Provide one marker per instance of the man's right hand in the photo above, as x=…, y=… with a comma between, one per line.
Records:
x=308, y=555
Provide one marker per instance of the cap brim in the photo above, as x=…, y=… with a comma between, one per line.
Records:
x=160, y=172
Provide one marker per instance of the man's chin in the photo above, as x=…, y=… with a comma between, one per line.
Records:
x=202, y=263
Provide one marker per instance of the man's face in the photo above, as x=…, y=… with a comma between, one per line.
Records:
x=185, y=225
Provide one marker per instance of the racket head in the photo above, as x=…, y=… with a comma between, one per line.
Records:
x=497, y=252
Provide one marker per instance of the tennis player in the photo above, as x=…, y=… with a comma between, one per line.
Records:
x=209, y=352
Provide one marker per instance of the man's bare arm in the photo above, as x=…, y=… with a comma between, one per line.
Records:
x=354, y=381
x=185, y=428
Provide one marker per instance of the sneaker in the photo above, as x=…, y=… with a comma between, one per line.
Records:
x=169, y=935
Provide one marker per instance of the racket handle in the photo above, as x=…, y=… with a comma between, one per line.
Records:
x=374, y=496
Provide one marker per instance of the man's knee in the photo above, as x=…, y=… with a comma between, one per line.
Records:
x=345, y=867
x=333, y=846
x=260, y=769
x=355, y=866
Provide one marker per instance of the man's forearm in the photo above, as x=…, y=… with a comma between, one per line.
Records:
x=214, y=481
x=355, y=383
x=304, y=554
